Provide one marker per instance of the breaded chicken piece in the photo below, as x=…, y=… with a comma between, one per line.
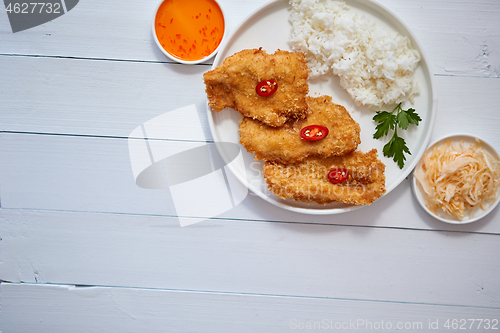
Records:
x=308, y=181
x=284, y=144
x=232, y=84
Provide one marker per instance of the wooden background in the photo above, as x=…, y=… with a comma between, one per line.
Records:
x=84, y=249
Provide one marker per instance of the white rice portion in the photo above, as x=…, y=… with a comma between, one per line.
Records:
x=375, y=66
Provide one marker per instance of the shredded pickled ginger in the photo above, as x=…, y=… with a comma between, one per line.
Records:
x=458, y=178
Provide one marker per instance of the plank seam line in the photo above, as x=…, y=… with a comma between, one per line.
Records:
x=82, y=286
x=95, y=59
x=467, y=76
x=228, y=219
x=175, y=63
x=100, y=136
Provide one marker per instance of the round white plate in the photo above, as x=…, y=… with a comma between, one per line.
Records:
x=268, y=27
x=442, y=216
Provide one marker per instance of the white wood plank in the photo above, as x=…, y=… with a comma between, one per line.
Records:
x=460, y=38
x=60, y=174
x=465, y=106
x=251, y=257
x=96, y=97
x=53, y=309
x=464, y=43
x=95, y=174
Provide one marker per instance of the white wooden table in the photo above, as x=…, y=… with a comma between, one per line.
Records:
x=84, y=249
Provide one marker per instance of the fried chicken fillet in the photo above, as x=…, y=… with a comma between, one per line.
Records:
x=308, y=181
x=284, y=144
x=232, y=84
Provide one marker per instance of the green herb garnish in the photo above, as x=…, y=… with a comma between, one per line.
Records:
x=396, y=147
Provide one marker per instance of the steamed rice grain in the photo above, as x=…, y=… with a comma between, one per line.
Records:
x=376, y=67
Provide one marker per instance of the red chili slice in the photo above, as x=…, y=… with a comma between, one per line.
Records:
x=313, y=132
x=338, y=175
x=266, y=88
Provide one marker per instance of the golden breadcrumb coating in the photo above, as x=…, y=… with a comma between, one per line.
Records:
x=308, y=181
x=232, y=84
x=283, y=144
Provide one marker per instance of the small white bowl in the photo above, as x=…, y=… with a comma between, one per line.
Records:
x=443, y=216
x=188, y=62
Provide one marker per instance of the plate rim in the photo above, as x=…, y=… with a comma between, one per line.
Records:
x=331, y=211
x=418, y=193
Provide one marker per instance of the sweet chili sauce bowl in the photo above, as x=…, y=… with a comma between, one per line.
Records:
x=189, y=31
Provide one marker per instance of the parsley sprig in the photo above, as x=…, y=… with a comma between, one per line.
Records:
x=398, y=118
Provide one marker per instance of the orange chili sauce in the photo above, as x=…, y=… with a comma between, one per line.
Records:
x=189, y=29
